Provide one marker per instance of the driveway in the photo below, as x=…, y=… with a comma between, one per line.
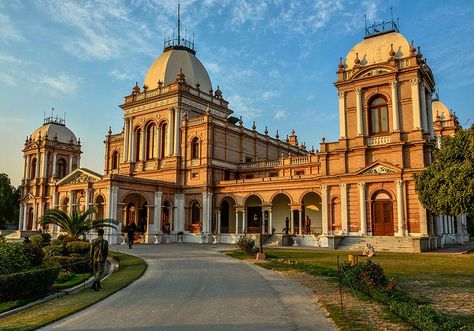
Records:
x=194, y=287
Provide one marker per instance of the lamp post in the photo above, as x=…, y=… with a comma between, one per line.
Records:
x=255, y=218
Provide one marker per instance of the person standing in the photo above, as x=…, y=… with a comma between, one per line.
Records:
x=99, y=253
x=287, y=225
x=131, y=234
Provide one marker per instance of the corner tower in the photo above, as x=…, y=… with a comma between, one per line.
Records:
x=51, y=152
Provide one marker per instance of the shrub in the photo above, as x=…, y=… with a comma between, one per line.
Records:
x=63, y=277
x=35, y=253
x=13, y=258
x=46, y=237
x=74, y=264
x=55, y=251
x=365, y=274
x=37, y=239
x=64, y=238
x=34, y=281
x=78, y=247
x=247, y=244
x=2, y=238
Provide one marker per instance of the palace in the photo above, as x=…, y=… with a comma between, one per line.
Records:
x=183, y=168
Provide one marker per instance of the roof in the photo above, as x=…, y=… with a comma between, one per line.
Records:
x=54, y=130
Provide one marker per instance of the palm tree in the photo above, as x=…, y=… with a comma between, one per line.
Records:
x=75, y=224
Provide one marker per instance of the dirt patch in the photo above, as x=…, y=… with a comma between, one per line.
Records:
x=359, y=313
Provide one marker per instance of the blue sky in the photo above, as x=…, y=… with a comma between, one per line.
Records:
x=275, y=60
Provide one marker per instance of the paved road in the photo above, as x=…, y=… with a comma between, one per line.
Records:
x=193, y=287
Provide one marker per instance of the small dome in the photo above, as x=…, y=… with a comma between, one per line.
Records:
x=439, y=108
x=63, y=134
x=377, y=49
x=168, y=65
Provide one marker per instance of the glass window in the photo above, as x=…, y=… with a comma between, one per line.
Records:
x=378, y=116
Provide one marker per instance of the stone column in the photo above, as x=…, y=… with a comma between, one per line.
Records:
x=21, y=218
x=344, y=216
x=324, y=209
x=44, y=165
x=55, y=157
x=25, y=217
x=35, y=215
x=55, y=205
x=430, y=115
x=236, y=222
x=424, y=120
x=156, y=226
x=360, y=112
x=292, y=221
x=263, y=221
x=395, y=111
x=218, y=222
x=78, y=158
x=342, y=116
x=88, y=199
x=130, y=140
x=169, y=145
x=244, y=222
x=300, y=222
x=415, y=100
x=113, y=235
x=400, y=208
x=423, y=221
x=142, y=145
x=362, y=209
x=25, y=166
x=38, y=162
x=28, y=167
x=71, y=201
x=70, y=164
x=270, y=221
x=179, y=203
x=125, y=141
x=177, y=131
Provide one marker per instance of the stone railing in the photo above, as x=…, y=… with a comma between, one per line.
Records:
x=196, y=120
x=261, y=164
x=301, y=159
x=375, y=141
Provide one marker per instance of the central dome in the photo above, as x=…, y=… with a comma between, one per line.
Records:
x=167, y=66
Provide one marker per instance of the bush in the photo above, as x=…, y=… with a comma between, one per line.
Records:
x=78, y=247
x=35, y=253
x=31, y=282
x=46, y=237
x=74, y=264
x=63, y=277
x=55, y=251
x=13, y=258
x=64, y=238
x=365, y=274
x=37, y=239
x=247, y=244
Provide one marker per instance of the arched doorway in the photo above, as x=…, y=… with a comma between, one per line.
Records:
x=136, y=212
x=281, y=210
x=30, y=219
x=336, y=215
x=311, y=208
x=166, y=217
x=65, y=205
x=99, y=207
x=253, y=206
x=227, y=214
x=382, y=214
x=195, y=226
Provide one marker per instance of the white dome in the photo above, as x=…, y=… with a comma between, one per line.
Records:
x=377, y=49
x=63, y=134
x=167, y=66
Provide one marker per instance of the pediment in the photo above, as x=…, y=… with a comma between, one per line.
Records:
x=379, y=168
x=80, y=175
x=373, y=71
x=27, y=197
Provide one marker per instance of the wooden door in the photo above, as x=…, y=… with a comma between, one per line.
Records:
x=382, y=218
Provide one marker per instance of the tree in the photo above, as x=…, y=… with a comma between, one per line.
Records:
x=9, y=201
x=447, y=186
x=76, y=224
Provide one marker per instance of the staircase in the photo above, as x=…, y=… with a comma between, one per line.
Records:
x=380, y=243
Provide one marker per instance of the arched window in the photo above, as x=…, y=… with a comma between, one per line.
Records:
x=163, y=134
x=138, y=143
x=336, y=214
x=99, y=207
x=378, y=112
x=115, y=160
x=195, y=148
x=195, y=213
x=61, y=168
x=151, y=141
x=33, y=168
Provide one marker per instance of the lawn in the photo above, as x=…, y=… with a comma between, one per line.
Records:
x=131, y=268
x=73, y=281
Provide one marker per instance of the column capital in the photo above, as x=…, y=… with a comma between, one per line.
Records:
x=341, y=94
x=358, y=90
x=399, y=182
x=343, y=186
x=158, y=194
x=393, y=83
x=324, y=188
x=361, y=184
x=414, y=81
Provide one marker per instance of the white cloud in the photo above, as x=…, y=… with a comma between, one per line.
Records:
x=243, y=106
x=248, y=12
x=266, y=95
x=8, y=31
x=9, y=59
x=212, y=67
x=120, y=75
x=7, y=79
x=62, y=83
x=280, y=114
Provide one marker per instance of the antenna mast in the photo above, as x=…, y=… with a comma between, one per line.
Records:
x=179, y=25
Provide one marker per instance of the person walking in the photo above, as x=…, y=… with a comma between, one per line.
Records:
x=131, y=234
x=98, y=256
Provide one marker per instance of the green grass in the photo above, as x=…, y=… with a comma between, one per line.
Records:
x=73, y=281
x=131, y=268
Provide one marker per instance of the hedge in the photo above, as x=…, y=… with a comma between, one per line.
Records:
x=31, y=282
x=78, y=247
x=75, y=264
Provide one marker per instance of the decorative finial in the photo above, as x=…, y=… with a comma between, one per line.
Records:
x=392, y=52
x=292, y=132
x=241, y=122
x=210, y=92
x=198, y=86
x=79, y=141
x=136, y=89
x=357, y=61
x=312, y=149
x=208, y=109
x=340, y=65
x=254, y=127
x=185, y=116
x=277, y=135
x=266, y=131
x=160, y=84
x=218, y=93
x=287, y=139
x=323, y=139
x=180, y=77
x=418, y=55
x=412, y=48
x=55, y=136
x=110, y=131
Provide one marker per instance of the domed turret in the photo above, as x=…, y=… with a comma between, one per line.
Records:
x=55, y=130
